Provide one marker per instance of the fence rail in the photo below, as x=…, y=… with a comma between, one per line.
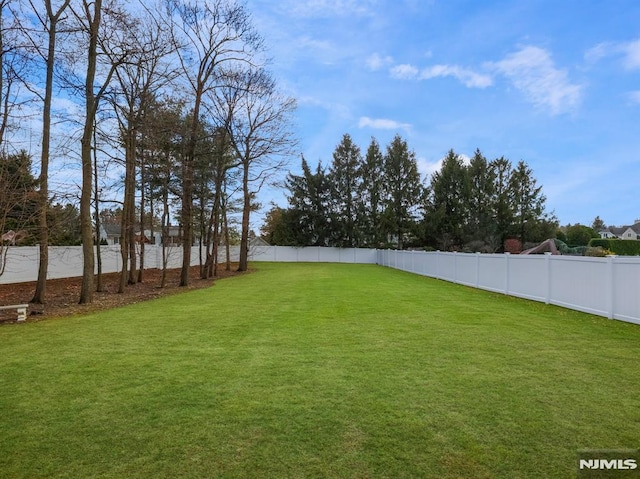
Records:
x=607, y=287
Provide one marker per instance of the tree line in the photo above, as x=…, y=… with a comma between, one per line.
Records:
x=175, y=94
x=379, y=200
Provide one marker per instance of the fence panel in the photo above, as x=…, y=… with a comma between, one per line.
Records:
x=528, y=276
x=492, y=272
x=626, y=289
x=580, y=283
x=447, y=266
x=466, y=268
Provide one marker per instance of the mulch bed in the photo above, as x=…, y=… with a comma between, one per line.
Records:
x=62, y=295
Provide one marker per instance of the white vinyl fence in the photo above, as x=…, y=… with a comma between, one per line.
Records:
x=607, y=287
x=313, y=254
x=66, y=261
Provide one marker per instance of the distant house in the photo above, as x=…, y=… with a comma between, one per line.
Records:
x=624, y=232
x=172, y=236
x=257, y=242
x=607, y=234
x=110, y=234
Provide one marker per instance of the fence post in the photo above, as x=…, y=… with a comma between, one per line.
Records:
x=506, y=275
x=610, y=286
x=438, y=265
x=547, y=262
x=478, y=269
x=455, y=266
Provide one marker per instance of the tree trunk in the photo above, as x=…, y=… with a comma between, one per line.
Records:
x=86, y=290
x=246, y=211
x=187, y=191
x=41, y=285
x=127, y=234
x=130, y=201
x=165, y=230
x=142, y=205
x=99, y=285
x=225, y=219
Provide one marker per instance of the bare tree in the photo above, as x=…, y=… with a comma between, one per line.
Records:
x=89, y=15
x=162, y=142
x=208, y=35
x=12, y=66
x=258, y=120
x=49, y=21
x=144, y=74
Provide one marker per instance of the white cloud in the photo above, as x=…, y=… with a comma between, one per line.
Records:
x=630, y=52
x=632, y=55
x=532, y=71
x=635, y=96
x=404, y=72
x=428, y=168
x=338, y=109
x=382, y=124
x=376, y=62
x=307, y=43
x=467, y=77
x=598, y=52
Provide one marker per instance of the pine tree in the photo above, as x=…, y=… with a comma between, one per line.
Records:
x=345, y=180
x=372, y=194
x=481, y=227
x=502, y=201
x=404, y=190
x=528, y=201
x=309, y=206
x=450, y=201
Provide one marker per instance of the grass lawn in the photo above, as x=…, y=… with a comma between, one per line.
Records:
x=327, y=371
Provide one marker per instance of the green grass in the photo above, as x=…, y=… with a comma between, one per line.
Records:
x=304, y=371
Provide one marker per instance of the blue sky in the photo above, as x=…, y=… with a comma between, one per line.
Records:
x=553, y=83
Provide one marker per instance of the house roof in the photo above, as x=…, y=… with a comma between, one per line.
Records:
x=619, y=230
x=112, y=230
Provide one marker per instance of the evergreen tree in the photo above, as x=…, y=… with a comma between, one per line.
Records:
x=481, y=227
x=276, y=229
x=64, y=224
x=450, y=201
x=404, y=191
x=598, y=225
x=502, y=202
x=528, y=201
x=372, y=194
x=18, y=197
x=309, y=200
x=345, y=180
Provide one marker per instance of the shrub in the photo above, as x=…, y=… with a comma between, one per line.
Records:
x=617, y=246
x=579, y=235
x=598, y=251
